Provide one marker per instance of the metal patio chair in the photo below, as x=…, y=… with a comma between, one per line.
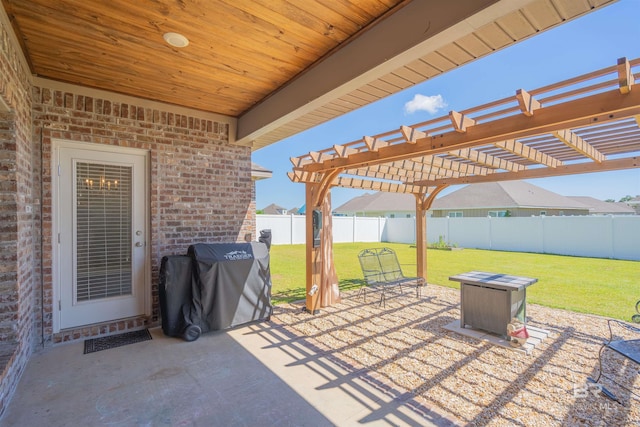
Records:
x=381, y=270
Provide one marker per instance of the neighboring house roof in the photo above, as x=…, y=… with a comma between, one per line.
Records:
x=293, y=211
x=379, y=202
x=507, y=194
x=274, y=209
x=258, y=172
x=634, y=201
x=600, y=207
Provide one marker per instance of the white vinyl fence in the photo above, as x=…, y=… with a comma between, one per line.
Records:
x=616, y=237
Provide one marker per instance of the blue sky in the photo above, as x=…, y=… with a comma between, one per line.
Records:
x=588, y=43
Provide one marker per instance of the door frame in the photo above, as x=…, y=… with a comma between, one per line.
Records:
x=56, y=145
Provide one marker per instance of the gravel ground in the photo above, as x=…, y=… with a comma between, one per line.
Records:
x=404, y=349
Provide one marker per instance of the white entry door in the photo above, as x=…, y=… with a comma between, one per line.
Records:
x=100, y=209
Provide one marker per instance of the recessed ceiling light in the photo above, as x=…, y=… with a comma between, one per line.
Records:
x=176, y=40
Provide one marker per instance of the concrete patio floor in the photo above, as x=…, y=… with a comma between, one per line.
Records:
x=355, y=363
x=232, y=378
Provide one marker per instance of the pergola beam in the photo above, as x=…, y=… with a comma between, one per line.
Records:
x=404, y=178
x=528, y=104
x=412, y=135
x=389, y=187
x=436, y=165
x=571, y=169
x=526, y=152
x=579, y=144
x=625, y=75
x=460, y=121
x=299, y=162
x=320, y=156
x=303, y=176
x=409, y=170
x=343, y=152
x=374, y=144
x=598, y=108
x=487, y=160
x=429, y=165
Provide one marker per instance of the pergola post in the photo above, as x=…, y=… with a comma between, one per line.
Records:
x=421, y=236
x=313, y=261
x=320, y=272
x=423, y=204
x=329, y=290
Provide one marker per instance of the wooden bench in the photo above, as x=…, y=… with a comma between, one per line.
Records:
x=382, y=270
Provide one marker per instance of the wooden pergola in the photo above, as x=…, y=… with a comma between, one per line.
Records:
x=590, y=123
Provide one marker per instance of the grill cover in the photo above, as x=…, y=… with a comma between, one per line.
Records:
x=176, y=302
x=232, y=284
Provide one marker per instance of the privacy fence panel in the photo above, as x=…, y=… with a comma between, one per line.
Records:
x=368, y=229
x=474, y=232
x=587, y=236
x=626, y=238
x=582, y=236
x=344, y=228
x=516, y=234
x=400, y=230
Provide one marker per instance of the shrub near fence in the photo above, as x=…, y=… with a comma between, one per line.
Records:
x=613, y=237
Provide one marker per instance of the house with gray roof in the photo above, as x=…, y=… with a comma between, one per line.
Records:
x=634, y=204
x=599, y=207
x=259, y=172
x=498, y=199
x=274, y=209
x=380, y=204
x=508, y=198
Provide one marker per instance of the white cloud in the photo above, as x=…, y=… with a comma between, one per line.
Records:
x=430, y=104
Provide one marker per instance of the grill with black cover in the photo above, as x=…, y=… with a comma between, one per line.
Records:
x=216, y=286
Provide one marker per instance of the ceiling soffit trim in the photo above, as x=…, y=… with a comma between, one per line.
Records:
x=369, y=56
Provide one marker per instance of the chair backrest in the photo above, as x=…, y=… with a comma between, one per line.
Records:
x=380, y=265
x=389, y=264
x=370, y=265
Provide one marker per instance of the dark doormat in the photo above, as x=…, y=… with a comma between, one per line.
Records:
x=105, y=343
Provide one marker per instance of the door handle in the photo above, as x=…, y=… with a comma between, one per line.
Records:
x=139, y=244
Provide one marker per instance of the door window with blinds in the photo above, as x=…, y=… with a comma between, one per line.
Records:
x=100, y=215
x=103, y=234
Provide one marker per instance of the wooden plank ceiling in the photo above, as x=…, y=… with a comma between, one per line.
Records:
x=239, y=52
x=589, y=123
x=244, y=54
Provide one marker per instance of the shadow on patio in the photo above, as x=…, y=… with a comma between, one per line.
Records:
x=352, y=364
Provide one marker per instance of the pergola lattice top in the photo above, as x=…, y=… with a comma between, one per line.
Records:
x=589, y=123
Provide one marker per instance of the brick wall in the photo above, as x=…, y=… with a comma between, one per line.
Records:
x=201, y=187
x=19, y=263
x=200, y=191
x=8, y=231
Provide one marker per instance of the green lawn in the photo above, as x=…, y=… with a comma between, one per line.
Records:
x=589, y=285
